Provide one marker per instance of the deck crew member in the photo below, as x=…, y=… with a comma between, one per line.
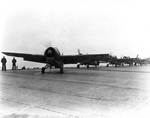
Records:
x=14, y=64
x=3, y=60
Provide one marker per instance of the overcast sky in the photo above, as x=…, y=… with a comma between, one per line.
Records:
x=120, y=27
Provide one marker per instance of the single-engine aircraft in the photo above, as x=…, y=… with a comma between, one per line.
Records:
x=52, y=57
x=87, y=62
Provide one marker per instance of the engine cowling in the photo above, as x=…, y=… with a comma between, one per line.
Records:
x=53, y=57
x=52, y=52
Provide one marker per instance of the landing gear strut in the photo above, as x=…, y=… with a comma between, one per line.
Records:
x=62, y=68
x=45, y=67
x=87, y=66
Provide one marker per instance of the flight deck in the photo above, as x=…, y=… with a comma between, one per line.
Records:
x=100, y=92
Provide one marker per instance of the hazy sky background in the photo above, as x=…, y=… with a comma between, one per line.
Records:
x=120, y=27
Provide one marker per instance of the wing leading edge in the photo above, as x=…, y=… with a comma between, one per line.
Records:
x=27, y=57
x=66, y=59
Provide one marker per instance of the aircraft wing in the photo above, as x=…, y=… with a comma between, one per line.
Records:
x=73, y=59
x=66, y=59
x=27, y=57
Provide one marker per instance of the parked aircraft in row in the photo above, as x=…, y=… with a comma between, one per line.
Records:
x=127, y=60
x=53, y=58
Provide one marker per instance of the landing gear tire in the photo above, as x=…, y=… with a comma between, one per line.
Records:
x=107, y=65
x=78, y=66
x=61, y=69
x=87, y=66
x=43, y=70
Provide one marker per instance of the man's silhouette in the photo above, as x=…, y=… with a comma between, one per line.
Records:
x=14, y=64
x=3, y=60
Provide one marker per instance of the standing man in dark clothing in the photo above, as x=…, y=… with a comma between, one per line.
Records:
x=14, y=64
x=3, y=60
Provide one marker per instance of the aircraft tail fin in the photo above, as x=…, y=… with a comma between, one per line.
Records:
x=79, y=53
x=137, y=56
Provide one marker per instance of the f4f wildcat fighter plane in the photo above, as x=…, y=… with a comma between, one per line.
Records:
x=52, y=57
x=88, y=62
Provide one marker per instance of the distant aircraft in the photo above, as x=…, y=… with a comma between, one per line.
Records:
x=88, y=61
x=127, y=60
x=52, y=57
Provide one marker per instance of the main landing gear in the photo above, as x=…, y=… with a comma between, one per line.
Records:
x=49, y=66
x=45, y=67
x=87, y=66
x=43, y=70
x=61, y=69
x=78, y=65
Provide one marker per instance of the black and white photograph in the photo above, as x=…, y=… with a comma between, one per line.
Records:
x=75, y=59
